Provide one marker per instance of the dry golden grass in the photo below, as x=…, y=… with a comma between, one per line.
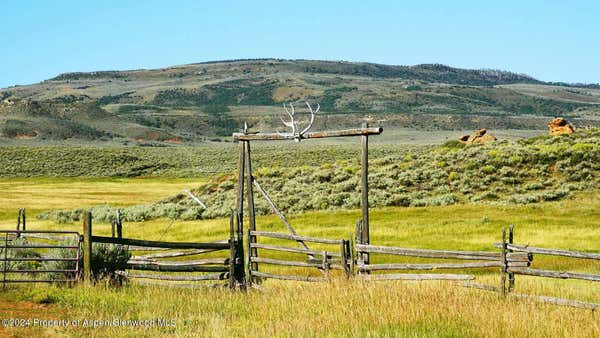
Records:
x=339, y=308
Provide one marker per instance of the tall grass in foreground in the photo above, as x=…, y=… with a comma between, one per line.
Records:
x=340, y=308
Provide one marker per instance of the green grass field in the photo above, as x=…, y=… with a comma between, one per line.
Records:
x=339, y=308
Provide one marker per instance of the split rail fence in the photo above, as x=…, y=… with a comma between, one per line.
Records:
x=337, y=257
x=157, y=266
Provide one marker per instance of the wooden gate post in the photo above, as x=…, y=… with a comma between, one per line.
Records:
x=359, y=241
x=504, y=264
x=19, y=220
x=511, y=276
x=87, y=246
x=232, y=252
x=250, y=198
x=119, y=224
x=365, y=190
x=23, y=215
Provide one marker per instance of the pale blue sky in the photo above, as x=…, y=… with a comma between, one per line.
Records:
x=550, y=40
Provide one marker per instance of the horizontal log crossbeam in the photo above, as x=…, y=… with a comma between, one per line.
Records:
x=308, y=135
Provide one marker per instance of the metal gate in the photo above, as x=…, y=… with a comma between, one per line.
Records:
x=41, y=256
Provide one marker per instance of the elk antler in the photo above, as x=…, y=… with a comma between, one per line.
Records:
x=292, y=123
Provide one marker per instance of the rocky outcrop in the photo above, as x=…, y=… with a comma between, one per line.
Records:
x=478, y=137
x=559, y=126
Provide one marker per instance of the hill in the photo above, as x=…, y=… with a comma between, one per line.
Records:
x=196, y=102
x=542, y=168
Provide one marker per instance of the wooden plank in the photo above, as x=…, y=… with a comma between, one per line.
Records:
x=551, y=252
x=289, y=249
x=294, y=238
x=427, y=253
x=308, y=135
x=159, y=244
x=175, y=253
x=207, y=261
x=410, y=276
x=395, y=266
x=158, y=266
x=286, y=263
x=288, y=277
x=214, y=276
x=555, y=274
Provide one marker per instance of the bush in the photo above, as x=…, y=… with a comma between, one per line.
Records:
x=106, y=260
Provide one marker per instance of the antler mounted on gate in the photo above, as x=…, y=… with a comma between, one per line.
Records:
x=296, y=133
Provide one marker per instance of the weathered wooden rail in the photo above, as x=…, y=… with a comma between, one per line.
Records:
x=322, y=261
x=481, y=260
x=530, y=250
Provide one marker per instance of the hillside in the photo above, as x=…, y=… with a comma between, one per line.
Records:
x=543, y=168
x=196, y=102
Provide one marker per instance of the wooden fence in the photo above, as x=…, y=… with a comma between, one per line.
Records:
x=477, y=260
x=228, y=268
x=510, y=271
x=311, y=264
x=339, y=257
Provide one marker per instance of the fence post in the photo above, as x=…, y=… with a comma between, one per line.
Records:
x=504, y=264
x=359, y=254
x=19, y=219
x=325, y=264
x=248, y=259
x=239, y=257
x=232, y=252
x=24, y=219
x=119, y=224
x=344, y=258
x=511, y=276
x=87, y=246
x=351, y=254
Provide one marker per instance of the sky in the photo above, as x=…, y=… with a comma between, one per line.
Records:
x=550, y=40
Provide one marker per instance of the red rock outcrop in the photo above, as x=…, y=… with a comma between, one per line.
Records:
x=559, y=126
x=478, y=137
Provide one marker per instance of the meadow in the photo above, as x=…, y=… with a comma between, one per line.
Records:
x=337, y=308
